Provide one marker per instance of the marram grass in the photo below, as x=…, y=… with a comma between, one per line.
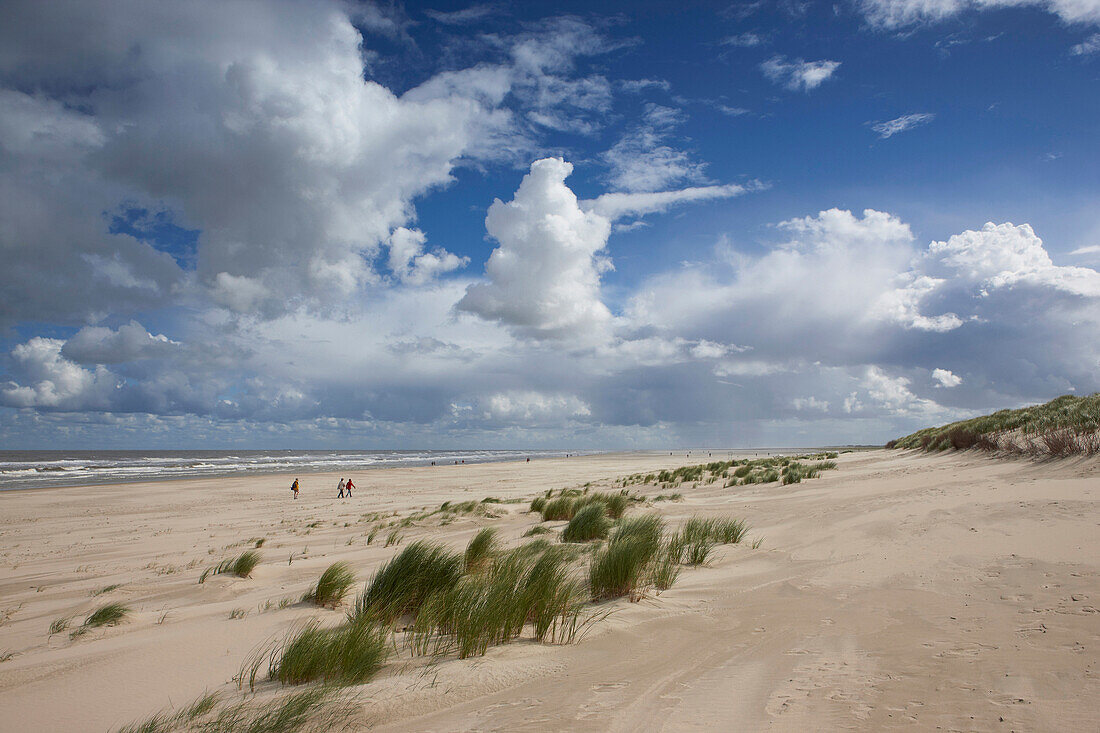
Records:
x=620, y=568
x=479, y=553
x=108, y=615
x=521, y=587
x=1066, y=425
x=333, y=585
x=241, y=566
x=349, y=654
x=315, y=709
x=401, y=585
x=590, y=523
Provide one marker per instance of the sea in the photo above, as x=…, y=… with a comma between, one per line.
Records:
x=49, y=468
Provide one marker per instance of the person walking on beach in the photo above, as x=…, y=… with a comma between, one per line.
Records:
x=294, y=488
x=349, y=487
x=341, y=487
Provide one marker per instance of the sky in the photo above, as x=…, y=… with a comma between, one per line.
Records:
x=229, y=223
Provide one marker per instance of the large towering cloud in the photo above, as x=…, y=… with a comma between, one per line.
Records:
x=544, y=278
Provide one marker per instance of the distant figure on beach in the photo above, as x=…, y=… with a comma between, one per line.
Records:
x=294, y=488
x=349, y=487
x=341, y=487
x=528, y=460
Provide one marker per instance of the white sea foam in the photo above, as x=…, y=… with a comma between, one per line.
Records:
x=32, y=469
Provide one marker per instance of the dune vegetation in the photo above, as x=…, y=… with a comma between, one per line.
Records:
x=333, y=585
x=241, y=566
x=432, y=600
x=1065, y=426
x=590, y=523
x=741, y=472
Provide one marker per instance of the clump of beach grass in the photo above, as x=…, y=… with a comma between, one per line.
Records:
x=493, y=607
x=615, y=504
x=590, y=523
x=699, y=536
x=537, y=530
x=723, y=530
x=698, y=550
x=108, y=615
x=333, y=585
x=111, y=614
x=557, y=509
x=402, y=584
x=566, y=506
x=349, y=654
x=729, y=531
x=619, y=568
x=666, y=568
x=241, y=566
x=480, y=550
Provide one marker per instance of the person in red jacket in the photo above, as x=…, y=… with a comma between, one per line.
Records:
x=349, y=486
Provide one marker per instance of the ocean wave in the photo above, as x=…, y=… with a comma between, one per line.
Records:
x=32, y=469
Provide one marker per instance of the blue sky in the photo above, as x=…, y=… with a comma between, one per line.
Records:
x=273, y=224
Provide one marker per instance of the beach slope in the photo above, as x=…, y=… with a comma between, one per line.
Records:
x=901, y=590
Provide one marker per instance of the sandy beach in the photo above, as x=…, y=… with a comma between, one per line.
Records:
x=946, y=592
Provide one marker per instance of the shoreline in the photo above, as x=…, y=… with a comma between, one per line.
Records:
x=305, y=470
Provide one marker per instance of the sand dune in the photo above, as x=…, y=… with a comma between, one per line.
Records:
x=902, y=590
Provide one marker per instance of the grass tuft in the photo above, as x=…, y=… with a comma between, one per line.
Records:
x=531, y=584
x=557, y=509
x=401, y=585
x=590, y=523
x=479, y=553
x=349, y=654
x=333, y=585
x=619, y=569
x=241, y=566
x=108, y=615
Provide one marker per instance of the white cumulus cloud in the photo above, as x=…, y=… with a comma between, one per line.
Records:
x=946, y=378
x=54, y=382
x=544, y=278
x=411, y=264
x=130, y=342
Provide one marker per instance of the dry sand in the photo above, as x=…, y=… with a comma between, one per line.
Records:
x=952, y=592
